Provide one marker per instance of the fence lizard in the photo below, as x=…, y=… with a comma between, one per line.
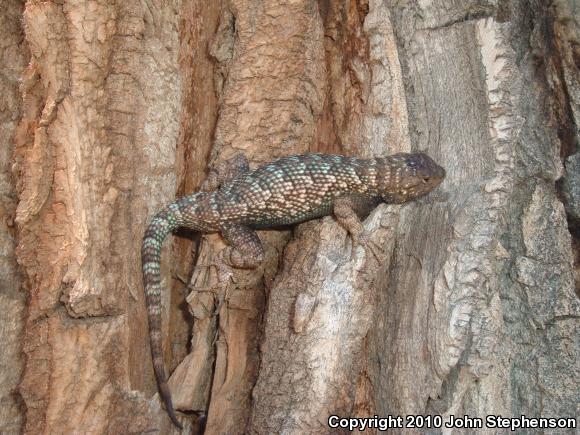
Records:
x=287, y=191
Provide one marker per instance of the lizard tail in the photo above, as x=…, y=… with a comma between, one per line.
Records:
x=161, y=225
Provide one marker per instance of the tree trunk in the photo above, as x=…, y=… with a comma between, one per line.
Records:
x=466, y=303
x=13, y=55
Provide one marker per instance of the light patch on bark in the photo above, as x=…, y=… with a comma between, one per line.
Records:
x=311, y=374
x=386, y=122
x=303, y=308
x=494, y=62
x=546, y=268
x=465, y=288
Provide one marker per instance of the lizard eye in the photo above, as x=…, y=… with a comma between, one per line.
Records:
x=426, y=179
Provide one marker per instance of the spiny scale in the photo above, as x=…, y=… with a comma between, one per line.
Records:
x=287, y=191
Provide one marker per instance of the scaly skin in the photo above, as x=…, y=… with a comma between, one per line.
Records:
x=287, y=191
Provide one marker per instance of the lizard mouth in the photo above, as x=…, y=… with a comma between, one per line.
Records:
x=428, y=182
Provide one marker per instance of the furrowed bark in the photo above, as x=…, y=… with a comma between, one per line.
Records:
x=312, y=367
x=94, y=156
x=465, y=304
x=13, y=55
x=491, y=317
x=271, y=94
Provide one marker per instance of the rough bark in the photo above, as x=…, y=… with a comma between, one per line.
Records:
x=492, y=327
x=464, y=306
x=95, y=154
x=13, y=56
x=269, y=78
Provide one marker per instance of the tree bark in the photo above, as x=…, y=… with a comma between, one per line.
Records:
x=13, y=55
x=467, y=303
x=95, y=154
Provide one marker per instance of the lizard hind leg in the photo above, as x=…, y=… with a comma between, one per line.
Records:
x=245, y=250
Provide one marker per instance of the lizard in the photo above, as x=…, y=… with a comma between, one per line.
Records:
x=287, y=191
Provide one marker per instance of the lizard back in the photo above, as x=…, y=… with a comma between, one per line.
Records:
x=296, y=189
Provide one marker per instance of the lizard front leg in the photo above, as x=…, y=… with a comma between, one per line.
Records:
x=348, y=219
x=344, y=212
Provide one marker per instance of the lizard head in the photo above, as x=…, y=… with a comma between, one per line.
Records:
x=408, y=176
